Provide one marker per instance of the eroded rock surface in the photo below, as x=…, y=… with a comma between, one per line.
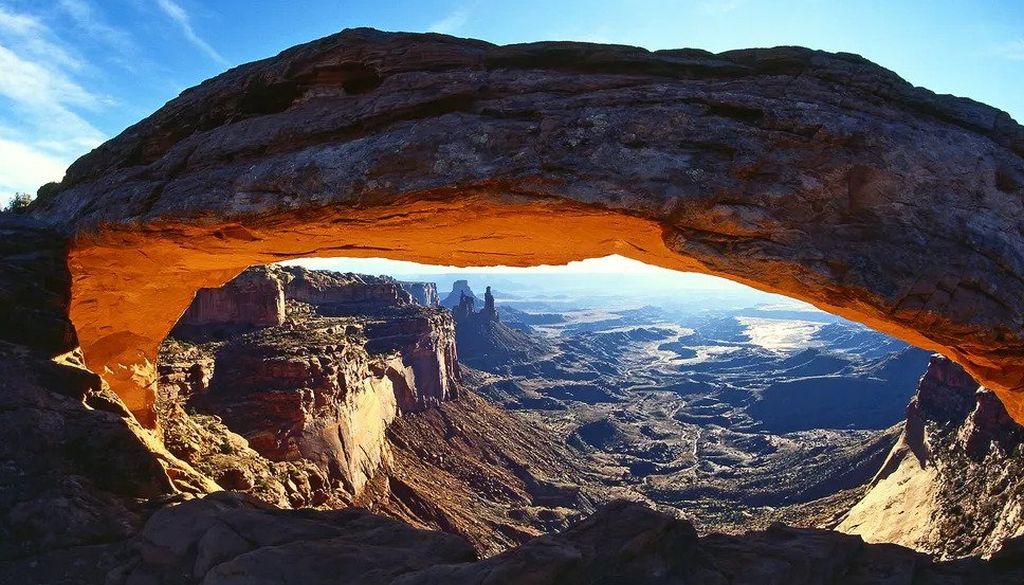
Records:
x=817, y=175
x=424, y=293
x=76, y=469
x=228, y=539
x=485, y=342
x=954, y=484
x=253, y=299
x=476, y=470
x=297, y=411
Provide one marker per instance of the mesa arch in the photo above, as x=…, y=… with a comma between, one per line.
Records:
x=820, y=176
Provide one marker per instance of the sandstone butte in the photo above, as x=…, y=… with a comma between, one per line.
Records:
x=820, y=176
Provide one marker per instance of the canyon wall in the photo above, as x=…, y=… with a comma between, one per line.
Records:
x=253, y=299
x=314, y=394
x=953, y=485
x=424, y=293
x=322, y=287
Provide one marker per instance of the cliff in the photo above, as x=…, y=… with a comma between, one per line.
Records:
x=424, y=293
x=255, y=298
x=324, y=287
x=954, y=483
x=484, y=342
x=312, y=396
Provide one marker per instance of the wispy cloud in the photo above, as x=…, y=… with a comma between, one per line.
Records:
x=1012, y=50
x=176, y=13
x=42, y=131
x=25, y=168
x=34, y=38
x=451, y=23
x=86, y=17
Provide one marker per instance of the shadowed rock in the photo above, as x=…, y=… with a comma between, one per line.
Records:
x=953, y=484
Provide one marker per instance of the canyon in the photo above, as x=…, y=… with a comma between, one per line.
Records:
x=174, y=412
x=298, y=407
x=345, y=394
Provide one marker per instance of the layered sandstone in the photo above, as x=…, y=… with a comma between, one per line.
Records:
x=424, y=293
x=954, y=484
x=821, y=176
x=313, y=395
x=323, y=287
x=253, y=299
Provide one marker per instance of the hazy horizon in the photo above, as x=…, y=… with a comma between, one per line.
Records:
x=608, y=277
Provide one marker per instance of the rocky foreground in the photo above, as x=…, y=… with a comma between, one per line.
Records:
x=954, y=483
x=228, y=538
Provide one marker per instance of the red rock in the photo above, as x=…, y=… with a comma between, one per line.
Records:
x=254, y=299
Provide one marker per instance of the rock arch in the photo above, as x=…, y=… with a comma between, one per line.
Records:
x=820, y=176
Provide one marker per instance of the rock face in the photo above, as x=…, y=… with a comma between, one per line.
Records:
x=954, y=484
x=627, y=543
x=253, y=299
x=425, y=341
x=460, y=289
x=820, y=176
x=424, y=293
x=322, y=287
x=485, y=342
x=35, y=287
x=314, y=395
x=227, y=539
x=76, y=469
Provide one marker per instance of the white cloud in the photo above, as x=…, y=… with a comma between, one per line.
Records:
x=33, y=38
x=176, y=13
x=41, y=131
x=32, y=82
x=90, y=21
x=451, y=23
x=25, y=168
x=1012, y=50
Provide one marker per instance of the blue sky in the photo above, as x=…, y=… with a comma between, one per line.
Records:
x=74, y=73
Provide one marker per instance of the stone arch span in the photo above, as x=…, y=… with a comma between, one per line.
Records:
x=820, y=176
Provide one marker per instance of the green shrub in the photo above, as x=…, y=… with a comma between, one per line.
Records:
x=19, y=204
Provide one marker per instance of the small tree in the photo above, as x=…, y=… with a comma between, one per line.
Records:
x=18, y=204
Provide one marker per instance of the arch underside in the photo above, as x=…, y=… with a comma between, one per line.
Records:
x=818, y=176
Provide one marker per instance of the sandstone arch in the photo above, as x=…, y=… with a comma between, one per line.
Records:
x=820, y=176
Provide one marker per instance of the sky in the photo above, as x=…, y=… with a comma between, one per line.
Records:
x=74, y=73
x=616, y=266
